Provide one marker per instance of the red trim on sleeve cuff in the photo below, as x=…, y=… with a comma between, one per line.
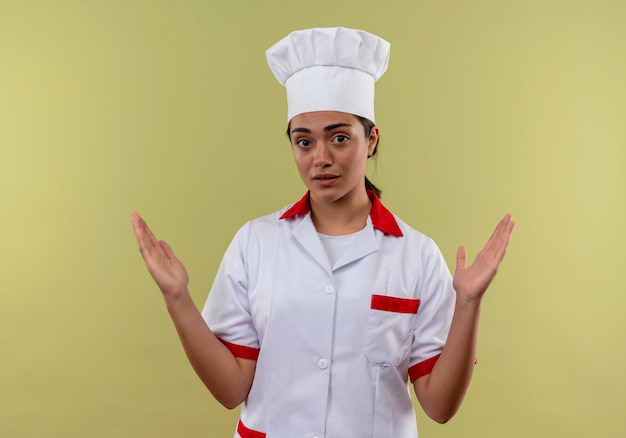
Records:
x=244, y=432
x=242, y=351
x=423, y=368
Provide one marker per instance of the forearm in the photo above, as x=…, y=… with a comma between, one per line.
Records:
x=442, y=391
x=227, y=377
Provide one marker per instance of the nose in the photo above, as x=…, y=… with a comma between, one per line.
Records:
x=322, y=157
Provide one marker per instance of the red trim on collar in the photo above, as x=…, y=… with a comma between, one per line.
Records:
x=301, y=207
x=382, y=219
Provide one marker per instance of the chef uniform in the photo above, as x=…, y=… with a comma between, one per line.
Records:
x=335, y=341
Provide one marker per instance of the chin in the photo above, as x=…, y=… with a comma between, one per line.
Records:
x=327, y=195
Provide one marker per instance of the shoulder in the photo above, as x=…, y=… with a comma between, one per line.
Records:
x=255, y=236
x=415, y=240
x=411, y=233
x=263, y=227
x=271, y=220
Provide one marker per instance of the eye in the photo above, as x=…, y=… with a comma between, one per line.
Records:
x=303, y=142
x=340, y=138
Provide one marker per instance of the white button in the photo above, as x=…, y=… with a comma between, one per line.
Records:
x=329, y=289
x=322, y=363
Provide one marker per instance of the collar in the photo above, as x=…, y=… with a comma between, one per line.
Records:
x=382, y=219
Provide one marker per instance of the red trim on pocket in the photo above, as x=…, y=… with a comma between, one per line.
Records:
x=422, y=368
x=242, y=351
x=244, y=432
x=395, y=304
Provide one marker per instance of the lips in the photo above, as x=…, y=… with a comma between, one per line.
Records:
x=326, y=179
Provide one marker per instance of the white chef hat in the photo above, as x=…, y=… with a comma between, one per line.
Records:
x=329, y=69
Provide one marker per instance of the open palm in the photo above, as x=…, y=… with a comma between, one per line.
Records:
x=166, y=270
x=471, y=282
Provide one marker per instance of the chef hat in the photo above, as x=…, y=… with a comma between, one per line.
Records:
x=329, y=69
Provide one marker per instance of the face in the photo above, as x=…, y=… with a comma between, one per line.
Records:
x=331, y=150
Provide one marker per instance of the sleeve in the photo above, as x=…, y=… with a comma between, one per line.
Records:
x=437, y=301
x=227, y=308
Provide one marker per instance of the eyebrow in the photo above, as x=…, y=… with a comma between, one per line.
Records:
x=326, y=128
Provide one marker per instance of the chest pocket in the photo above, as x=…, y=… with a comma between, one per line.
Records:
x=389, y=329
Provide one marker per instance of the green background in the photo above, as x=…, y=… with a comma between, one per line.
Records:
x=168, y=107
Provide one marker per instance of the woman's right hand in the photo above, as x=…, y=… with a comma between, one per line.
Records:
x=166, y=270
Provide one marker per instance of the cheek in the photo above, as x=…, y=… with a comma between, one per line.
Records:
x=360, y=160
x=300, y=162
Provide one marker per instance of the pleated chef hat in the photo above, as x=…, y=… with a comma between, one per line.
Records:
x=329, y=69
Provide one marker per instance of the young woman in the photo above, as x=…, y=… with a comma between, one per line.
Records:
x=321, y=312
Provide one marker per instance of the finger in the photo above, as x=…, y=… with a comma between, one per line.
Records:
x=507, y=224
x=461, y=258
x=501, y=227
x=168, y=250
x=146, y=240
x=504, y=230
x=153, y=240
x=495, y=248
x=138, y=227
x=135, y=220
x=143, y=230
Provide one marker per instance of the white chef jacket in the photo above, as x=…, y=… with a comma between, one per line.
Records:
x=335, y=345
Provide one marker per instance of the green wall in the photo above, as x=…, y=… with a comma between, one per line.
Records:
x=168, y=107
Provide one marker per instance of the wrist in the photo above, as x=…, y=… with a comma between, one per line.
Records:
x=467, y=303
x=178, y=300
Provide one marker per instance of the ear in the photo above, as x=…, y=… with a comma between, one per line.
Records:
x=372, y=141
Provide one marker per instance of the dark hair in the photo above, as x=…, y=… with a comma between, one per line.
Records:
x=368, y=125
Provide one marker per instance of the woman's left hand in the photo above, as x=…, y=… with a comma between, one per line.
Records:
x=471, y=282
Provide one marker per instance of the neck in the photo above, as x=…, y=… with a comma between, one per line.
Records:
x=343, y=216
